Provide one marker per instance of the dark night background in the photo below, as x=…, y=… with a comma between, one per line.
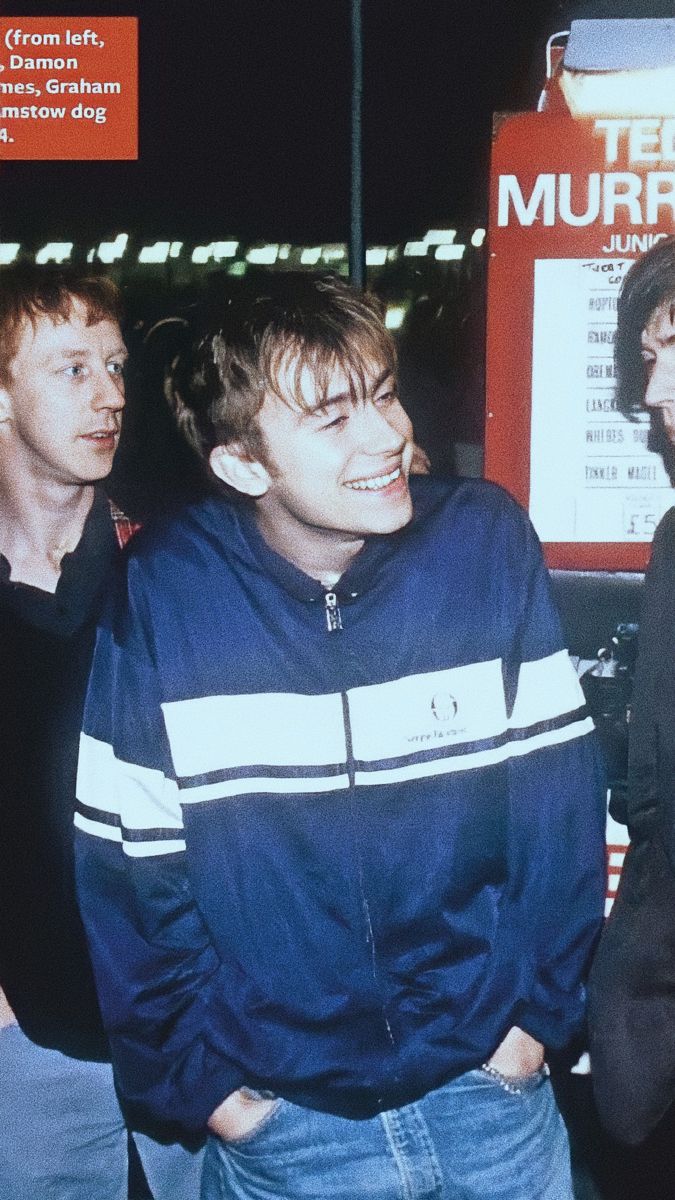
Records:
x=244, y=118
x=245, y=133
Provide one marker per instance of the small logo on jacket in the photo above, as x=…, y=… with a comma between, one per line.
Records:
x=444, y=706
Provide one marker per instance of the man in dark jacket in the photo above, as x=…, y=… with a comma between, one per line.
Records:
x=62, y=359
x=340, y=823
x=632, y=1014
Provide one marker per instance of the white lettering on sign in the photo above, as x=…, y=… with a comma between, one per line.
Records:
x=581, y=201
x=643, y=199
x=645, y=140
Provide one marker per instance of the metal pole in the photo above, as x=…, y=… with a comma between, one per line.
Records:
x=357, y=253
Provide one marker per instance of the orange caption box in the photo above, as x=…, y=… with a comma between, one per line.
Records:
x=68, y=88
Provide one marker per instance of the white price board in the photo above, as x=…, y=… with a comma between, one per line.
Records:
x=592, y=477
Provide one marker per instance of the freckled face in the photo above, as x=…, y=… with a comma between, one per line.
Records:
x=62, y=409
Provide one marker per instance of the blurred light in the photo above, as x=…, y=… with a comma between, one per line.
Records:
x=109, y=251
x=478, y=237
x=310, y=257
x=8, y=252
x=263, y=256
x=57, y=252
x=394, y=316
x=237, y=268
x=440, y=237
x=222, y=250
x=449, y=253
x=154, y=254
x=215, y=250
x=376, y=256
x=415, y=249
x=91, y=255
x=334, y=253
x=175, y=249
x=284, y=251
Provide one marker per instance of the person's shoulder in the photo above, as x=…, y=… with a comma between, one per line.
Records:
x=467, y=499
x=661, y=570
x=664, y=537
x=165, y=561
x=173, y=548
x=173, y=534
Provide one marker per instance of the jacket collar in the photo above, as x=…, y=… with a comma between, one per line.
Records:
x=250, y=545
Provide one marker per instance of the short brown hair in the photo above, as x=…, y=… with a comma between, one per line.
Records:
x=28, y=292
x=317, y=321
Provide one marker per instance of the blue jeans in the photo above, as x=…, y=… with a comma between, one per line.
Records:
x=63, y=1137
x=469, y=1140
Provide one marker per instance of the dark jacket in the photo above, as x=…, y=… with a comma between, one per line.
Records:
x=336, y=858
x=46, y=644
x=632, y=985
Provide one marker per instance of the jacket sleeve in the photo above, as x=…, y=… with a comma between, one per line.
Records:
x=160, y=982
x=557, y=814
x=653, y=682
x=632, y=986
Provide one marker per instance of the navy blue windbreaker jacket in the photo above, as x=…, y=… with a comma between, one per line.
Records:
x=335, y=846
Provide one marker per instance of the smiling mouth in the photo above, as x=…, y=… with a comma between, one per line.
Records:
x=376, y=483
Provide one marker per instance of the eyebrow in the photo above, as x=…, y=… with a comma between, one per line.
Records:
x=118, y=352
x=342, y=397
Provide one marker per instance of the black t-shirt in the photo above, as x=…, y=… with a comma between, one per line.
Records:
x=46, y=645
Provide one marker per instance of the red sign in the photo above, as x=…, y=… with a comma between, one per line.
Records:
x=573, y=202
x=68, y=88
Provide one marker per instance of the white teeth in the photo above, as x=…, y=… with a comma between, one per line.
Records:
x=374, y=485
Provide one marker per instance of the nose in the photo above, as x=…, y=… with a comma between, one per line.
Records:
x=651, y=391
x=108, y=391
x=383, y=432
x=660, y=389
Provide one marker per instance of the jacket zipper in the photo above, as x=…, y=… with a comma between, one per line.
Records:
x=333, y=617
x=365, y=907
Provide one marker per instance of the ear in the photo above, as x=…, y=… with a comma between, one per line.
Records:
x=234, y=466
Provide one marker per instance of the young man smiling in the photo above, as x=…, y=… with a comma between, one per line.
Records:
x=358, y=454
x=62, y=358
x=340, y=822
